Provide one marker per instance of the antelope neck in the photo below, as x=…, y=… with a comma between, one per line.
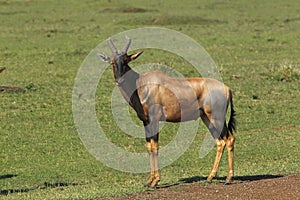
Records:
x=127, y=84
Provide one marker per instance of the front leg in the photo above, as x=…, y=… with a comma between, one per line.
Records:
x=152, y=148
x=151, y=159
x=151, y=130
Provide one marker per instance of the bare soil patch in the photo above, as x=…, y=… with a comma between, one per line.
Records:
x=255, y=187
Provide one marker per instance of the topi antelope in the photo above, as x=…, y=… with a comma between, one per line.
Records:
x=156, y=97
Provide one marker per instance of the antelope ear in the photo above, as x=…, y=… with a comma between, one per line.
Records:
x=136, y=55
x=104, y=58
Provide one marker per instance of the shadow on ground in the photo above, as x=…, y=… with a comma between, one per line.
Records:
x=236, y=178
x=7, y=176
x=46, y=185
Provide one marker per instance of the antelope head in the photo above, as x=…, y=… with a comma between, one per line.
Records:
x=119, y=59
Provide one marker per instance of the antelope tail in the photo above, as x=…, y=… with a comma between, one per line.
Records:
x=232, y=121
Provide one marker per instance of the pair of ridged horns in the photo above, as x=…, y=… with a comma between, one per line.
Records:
x=114, y=49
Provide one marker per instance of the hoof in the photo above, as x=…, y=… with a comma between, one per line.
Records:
x=152, y=184
x=229, y=179
x=148, y=185
x=209, y=179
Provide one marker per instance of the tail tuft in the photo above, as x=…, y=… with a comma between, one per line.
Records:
x=232, y=120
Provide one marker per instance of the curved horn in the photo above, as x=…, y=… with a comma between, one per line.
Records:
x=125, y=49
x=112, y=46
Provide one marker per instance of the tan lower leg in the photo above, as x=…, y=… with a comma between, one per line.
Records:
x=154, y=178
x=230, y=148
x=151, y=160
x=154, y=149
x=220, y=149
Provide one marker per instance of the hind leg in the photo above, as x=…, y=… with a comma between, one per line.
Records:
x=229, y=140
x=214, y=109
x=220, y=149
x=216, y=132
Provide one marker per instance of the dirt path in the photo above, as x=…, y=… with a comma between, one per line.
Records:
x=255, y=187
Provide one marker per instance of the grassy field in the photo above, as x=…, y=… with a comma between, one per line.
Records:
x=43, y=43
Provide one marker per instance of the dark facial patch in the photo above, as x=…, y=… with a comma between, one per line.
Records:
x=120, y=62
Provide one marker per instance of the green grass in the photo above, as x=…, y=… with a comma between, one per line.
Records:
x=43, y=43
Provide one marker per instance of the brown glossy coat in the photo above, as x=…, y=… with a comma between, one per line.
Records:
x=157, y=97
